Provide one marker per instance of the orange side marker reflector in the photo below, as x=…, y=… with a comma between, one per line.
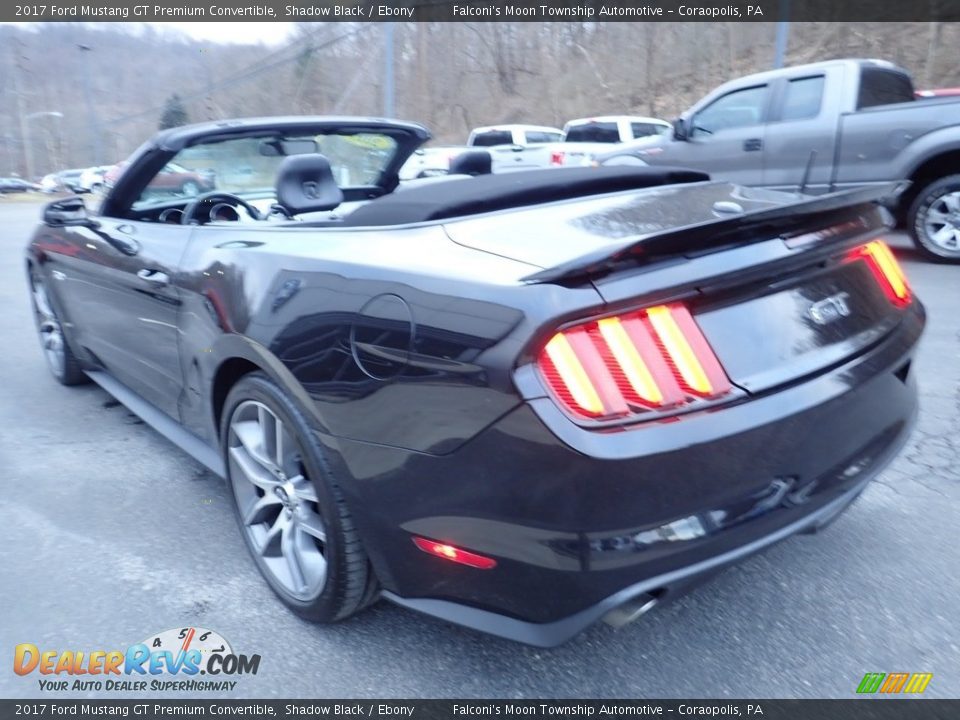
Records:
x=454, y=554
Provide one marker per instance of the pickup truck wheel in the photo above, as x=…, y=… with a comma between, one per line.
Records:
x=934, y=220
x=291, y=513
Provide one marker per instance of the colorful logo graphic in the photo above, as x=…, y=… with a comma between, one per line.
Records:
x=894, y=683
x=188, y=652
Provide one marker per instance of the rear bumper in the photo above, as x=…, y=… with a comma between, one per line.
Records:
x=581, y=522
x=665, y=586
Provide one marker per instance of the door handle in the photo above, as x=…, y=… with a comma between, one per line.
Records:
x=752, y=144
x=154, y=278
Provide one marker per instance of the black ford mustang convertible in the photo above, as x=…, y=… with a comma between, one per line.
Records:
x=520, y=402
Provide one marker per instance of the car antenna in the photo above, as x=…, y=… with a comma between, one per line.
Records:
x=806, y=171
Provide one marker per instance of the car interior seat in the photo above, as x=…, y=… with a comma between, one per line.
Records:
x=472, y=162
x=305, y=184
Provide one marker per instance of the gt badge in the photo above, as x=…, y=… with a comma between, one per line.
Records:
x=829, y=309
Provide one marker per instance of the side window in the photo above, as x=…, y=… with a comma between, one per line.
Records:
x=883, y=86
x=803, y=98
x=740, y=108
x=535, y=136
x=640, y=130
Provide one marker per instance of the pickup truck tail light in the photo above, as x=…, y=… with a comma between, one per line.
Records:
x=886, y=270
x=651, y=359
x=556, y=157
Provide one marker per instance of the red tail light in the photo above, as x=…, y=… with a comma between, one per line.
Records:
x=556, y=157
x=886, y=270
x=454, y=554
x=655, y=358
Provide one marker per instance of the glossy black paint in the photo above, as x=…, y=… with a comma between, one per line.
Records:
x=410, y=350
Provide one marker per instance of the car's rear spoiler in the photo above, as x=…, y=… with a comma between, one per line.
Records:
x=809, y=214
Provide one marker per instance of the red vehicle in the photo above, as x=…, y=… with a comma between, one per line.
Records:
x=938, y=92
x=172, y=178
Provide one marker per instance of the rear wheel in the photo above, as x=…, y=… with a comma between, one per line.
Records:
x=56, y=349
x=291, y=513
x=934, y=220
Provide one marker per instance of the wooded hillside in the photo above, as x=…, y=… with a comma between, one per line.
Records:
x=449, y=76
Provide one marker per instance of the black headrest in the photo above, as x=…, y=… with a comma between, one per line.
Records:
x=305, y=184
x=472, y=162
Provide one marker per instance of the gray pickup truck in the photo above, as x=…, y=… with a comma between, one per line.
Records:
x=824, y=127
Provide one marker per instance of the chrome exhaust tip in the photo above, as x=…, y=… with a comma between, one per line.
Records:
x=630, y=610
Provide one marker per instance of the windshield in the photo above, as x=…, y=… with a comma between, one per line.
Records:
x=248, y=167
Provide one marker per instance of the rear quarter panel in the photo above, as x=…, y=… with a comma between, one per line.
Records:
x=396, y=336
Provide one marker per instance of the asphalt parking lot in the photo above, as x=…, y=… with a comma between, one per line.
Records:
x=109, y=534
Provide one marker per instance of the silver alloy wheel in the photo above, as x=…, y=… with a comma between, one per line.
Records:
x=941, y=224
x=277, y=501
x=51, y=334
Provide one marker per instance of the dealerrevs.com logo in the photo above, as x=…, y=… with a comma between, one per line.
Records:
x=168, y=661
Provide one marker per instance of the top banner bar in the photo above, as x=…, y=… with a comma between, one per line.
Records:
x=365, y=11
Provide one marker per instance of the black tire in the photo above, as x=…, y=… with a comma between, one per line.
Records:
x=933, y=203
x=350, y=583
x=63, y=364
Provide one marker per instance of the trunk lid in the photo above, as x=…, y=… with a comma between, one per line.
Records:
x=773, y=331
x=779, y=285
x=604, y=224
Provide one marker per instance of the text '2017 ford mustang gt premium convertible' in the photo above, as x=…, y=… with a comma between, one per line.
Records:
x=521, y=402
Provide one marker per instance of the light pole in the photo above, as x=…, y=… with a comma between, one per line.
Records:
x=91, y=109
x=27, y=145
x=389, y=109
x=783, y=31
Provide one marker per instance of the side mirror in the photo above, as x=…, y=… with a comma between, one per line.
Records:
x=680, y=131
x=69, y=211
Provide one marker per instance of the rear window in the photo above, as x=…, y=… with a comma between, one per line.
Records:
x=536, y=136
x=493, y=137
x=803, y=98
x=598, y=132
x=883, y=86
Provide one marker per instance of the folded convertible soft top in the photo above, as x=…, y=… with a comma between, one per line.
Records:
x=471, y=196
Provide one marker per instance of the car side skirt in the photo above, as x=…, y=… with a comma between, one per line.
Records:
x=165, y=425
